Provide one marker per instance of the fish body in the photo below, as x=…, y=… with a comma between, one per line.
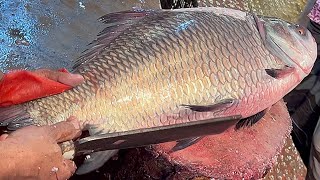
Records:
x=154, y=68
x=159, y=63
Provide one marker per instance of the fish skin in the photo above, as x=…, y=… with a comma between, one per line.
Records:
x=140, y=77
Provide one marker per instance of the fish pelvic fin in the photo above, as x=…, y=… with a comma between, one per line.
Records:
x=223, y=104
x=182, y=144
x=280, y=73
x=15, y=117
x=250, y=121
x=116, y=24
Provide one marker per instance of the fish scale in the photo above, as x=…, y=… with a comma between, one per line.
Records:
x=185, y=88
x=141, y=74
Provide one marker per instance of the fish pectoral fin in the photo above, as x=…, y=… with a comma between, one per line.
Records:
x=224, y=104
x=182, y=144
x=94, y=161
x=280, y=73
x=250, y=121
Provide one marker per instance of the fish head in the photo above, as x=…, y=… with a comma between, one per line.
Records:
x=292, y=43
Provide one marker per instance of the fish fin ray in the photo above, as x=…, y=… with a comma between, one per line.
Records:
x=226, y=103
x=94, y=161
x=250, y=121
x=280, y=73
x=97, y=159
x=124, y=16
x=15, y=117
x=182, y=144
x=116, y=23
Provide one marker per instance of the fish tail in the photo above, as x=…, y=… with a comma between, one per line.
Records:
x=15, y=117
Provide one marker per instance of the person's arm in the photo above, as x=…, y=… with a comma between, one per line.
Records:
x=33, y=152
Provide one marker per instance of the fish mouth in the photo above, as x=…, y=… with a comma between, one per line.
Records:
x=290, y=60
x=272, y=43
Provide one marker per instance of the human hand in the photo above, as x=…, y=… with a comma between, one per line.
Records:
x=33, y=152
x=21, y=86
x=61, y=76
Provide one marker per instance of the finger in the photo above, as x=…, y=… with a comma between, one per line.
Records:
x=64, y=131
x=3, y=137
x=62, y=77
x=67, y=170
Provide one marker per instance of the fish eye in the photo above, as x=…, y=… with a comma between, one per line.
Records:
x=301, y=30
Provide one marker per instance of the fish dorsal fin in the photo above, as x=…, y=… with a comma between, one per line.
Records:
x=116, y=23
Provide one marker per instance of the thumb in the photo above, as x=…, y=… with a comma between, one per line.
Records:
x=62, y=77
x=3, y=137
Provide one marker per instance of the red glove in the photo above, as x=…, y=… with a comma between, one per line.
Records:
x=20, y=86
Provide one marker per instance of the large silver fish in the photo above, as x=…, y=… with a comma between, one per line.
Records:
x=154, y=68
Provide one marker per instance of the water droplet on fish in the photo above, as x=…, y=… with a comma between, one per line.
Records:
x=287, y=150
x=54, y=169
x=87, y=157
x=81, y=5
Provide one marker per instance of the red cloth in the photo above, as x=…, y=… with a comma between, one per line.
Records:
x=21, y=86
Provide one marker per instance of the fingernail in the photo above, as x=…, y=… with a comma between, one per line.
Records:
x=76, y=76
x=3, y=137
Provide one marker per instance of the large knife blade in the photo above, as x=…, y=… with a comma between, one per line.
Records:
x=155, y=135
